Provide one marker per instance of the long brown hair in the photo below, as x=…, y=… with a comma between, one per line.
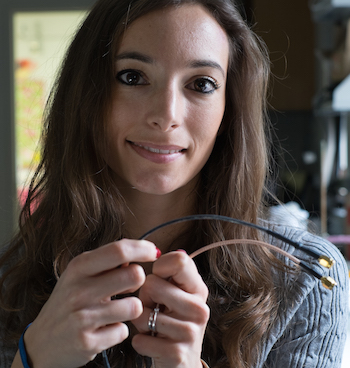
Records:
x=74, y=206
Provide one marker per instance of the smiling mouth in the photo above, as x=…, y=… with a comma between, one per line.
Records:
x=158, y=150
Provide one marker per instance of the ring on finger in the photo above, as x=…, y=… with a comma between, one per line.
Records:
x=152, y=319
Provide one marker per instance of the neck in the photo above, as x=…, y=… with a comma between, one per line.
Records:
x=145, y=211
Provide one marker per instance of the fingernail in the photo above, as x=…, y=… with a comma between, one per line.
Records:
x=182, y=250
x=159, y=252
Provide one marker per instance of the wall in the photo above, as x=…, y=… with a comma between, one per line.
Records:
x=288, y=30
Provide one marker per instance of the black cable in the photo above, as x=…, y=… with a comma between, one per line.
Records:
x=239, y=222
x=105, y=359
x=234, y=221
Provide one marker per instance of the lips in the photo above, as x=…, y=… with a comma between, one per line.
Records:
x=159, y=154
x=164, y=150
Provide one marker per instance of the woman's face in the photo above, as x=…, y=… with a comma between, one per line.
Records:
x=169, y=99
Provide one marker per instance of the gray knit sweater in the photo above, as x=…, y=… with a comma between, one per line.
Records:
x=311, y=331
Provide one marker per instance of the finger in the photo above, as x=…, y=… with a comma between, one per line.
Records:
x=166, y=326
x=113, y=255
x=159, y=291
x=115, y=311
x=111, y=335
x=147, y=345
x=91, y=291
x=179, y=304
x=118, y=281
x=163, y=351
x=183, y=271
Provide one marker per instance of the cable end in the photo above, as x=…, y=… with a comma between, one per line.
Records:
x=326, y=261
x=328, y=282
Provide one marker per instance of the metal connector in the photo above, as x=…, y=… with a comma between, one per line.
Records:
x=328, y=282
x=326, y=261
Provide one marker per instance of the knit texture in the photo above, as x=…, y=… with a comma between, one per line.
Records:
x=311, y=329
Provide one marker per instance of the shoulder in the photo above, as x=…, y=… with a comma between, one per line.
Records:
x=311, y=330
x=318, y=245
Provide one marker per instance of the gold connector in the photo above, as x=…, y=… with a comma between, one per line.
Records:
x=326, y=261
x=328, y=282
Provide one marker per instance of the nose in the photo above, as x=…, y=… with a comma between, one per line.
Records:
x=166, y=108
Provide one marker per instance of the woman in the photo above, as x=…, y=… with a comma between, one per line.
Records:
x=158, y=113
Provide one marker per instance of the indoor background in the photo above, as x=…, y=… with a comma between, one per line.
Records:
x=309, y=46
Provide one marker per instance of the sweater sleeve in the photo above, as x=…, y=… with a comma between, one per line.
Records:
x=312, y=331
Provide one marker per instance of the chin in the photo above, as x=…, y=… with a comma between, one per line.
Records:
x=163, y=185
x=159, y=187
x=161, y=190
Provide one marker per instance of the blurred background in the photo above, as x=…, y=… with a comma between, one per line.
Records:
x=309, y=46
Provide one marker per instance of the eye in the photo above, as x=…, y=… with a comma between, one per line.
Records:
x=204, y=85
x=131, y=77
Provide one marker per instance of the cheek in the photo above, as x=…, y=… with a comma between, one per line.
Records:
x=120, y=118
x=209, y=120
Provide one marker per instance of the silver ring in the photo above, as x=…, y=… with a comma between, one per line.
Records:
x=152, y=319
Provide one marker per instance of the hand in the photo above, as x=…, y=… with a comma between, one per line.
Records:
x=181, y=325
x=80, y=320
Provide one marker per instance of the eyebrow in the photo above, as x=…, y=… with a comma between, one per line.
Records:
x=148, y=60
x=207, y=63
x=135, y=56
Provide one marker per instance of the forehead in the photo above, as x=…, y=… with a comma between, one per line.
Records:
x=177, y=31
